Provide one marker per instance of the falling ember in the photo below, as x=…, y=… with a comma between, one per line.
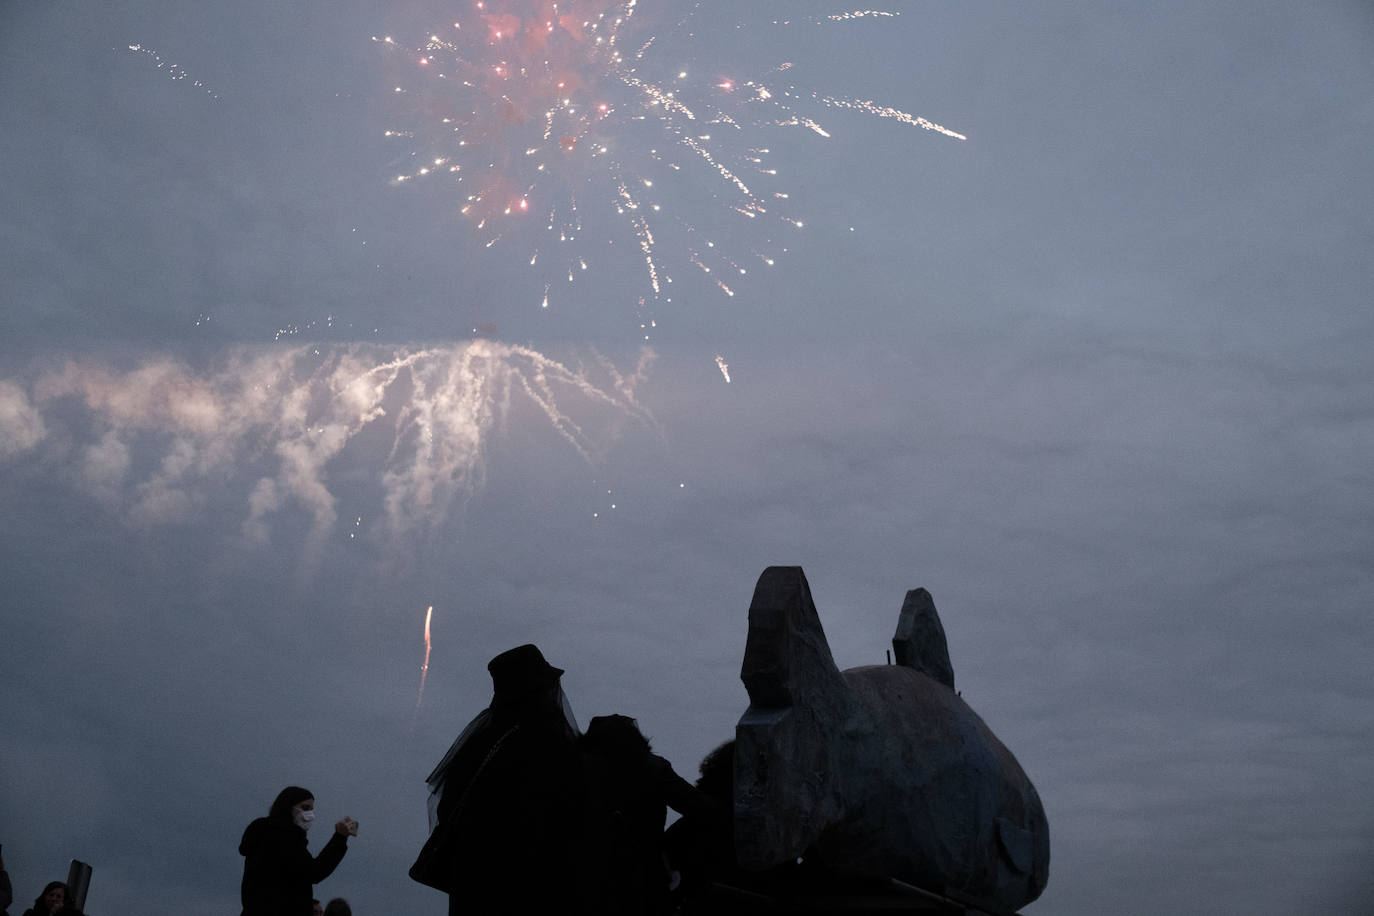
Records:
x=724, y=367
x=424, y=668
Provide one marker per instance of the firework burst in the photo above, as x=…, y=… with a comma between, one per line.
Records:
x=571, y=132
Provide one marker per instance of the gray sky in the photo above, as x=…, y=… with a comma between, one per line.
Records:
x=1097, y=376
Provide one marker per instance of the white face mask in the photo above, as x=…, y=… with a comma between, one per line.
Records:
x=303, y=819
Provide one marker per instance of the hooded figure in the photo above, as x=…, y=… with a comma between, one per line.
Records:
x=278, y=870
x=505, y=801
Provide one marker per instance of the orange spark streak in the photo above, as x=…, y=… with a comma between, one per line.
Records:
x=424, y=668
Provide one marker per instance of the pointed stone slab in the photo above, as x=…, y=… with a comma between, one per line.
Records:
x=795, y=694
x=786, y=656
x=920, y=639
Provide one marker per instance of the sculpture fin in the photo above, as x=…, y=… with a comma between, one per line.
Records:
x=786, y=656
x=920, y=638
x=797, y=698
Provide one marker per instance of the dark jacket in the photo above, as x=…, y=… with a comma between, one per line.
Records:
x=516, y=825
x=278, y=870
x=624, y=871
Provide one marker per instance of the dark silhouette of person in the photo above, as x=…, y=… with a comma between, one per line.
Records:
x=506, y=798
x=6, y=889
x=278, y=869
x=338, y=907
x=702, y=849
x=629, y=790
x=56, y=900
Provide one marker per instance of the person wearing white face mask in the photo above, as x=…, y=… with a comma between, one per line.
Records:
x=278, y=870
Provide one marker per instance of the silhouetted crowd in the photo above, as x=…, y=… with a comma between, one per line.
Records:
x=527, y=814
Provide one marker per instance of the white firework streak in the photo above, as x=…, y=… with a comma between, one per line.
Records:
x=842, y=17
x=173, y=71
x=885, y=111
x=271, y=420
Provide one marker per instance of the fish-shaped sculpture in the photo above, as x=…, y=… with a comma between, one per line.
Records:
x=882, y=770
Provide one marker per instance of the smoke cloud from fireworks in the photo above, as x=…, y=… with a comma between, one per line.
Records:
x=273, y=424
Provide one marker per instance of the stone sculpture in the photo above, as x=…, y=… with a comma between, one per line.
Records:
x=880, y=771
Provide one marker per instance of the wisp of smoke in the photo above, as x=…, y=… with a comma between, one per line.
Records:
x=272, y=422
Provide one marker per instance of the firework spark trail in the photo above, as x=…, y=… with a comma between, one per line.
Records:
x=807, y=123
x=658, y=96
x=175, y=71
x=724, y=367
x=528, y=106
x=424, y=667
x=860, y=14
x=884, y=111
x=643, y=234
x=269, y=422
x=724, y=171
x=841, y=17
